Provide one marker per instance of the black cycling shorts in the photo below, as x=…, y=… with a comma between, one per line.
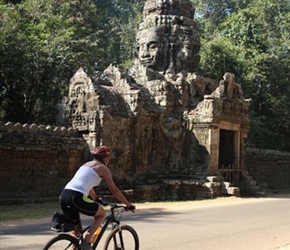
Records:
x=73, y=202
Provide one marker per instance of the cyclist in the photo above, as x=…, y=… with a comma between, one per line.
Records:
x=79, y=196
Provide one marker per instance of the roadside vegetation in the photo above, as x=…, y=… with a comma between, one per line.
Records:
x=44, y=42
x=28, y=211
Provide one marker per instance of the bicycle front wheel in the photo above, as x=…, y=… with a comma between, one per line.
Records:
x=63, y=242
x=122, y=238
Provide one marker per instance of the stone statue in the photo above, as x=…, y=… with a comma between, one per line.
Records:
x=148, y=115
x=228, y=88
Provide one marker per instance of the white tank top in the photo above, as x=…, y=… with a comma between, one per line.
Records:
x=84, y=180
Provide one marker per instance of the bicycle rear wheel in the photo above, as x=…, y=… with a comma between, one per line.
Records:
x=122, y=238
x=63, y=242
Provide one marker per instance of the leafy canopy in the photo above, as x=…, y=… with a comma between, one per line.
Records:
x=251, y=39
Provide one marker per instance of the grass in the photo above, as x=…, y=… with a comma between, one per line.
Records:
x=46, y=209
x=28, y=211
x=41, y=210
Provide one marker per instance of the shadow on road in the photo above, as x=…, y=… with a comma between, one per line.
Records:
x=41, y=226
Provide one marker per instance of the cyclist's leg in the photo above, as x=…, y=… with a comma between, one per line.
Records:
x=89, y=207
x=68, y=207
x=99, y=218
x=78, y=228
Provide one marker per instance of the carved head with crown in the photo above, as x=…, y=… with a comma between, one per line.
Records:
x=168, y=40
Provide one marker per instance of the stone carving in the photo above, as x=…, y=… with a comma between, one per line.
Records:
x=168, y=40
x=228, y=88
x=148, y=116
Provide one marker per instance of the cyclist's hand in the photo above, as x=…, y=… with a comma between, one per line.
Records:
x=99, y=199
x=131, y=208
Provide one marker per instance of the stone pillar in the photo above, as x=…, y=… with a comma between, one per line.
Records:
x=214, y=150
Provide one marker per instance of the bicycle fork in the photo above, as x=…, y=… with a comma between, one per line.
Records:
x=119, y=246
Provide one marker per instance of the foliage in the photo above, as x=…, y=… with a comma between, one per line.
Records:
x=34, y=54
x=38, y=54
x=125, y=23
x=42, y=43
x=251, y=39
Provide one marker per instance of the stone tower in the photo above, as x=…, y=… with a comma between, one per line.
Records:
x=164, y=122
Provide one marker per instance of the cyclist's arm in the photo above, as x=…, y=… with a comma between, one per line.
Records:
x=93, y=194
x=112, y=186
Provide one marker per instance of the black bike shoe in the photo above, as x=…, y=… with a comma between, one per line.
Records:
x=85, y=246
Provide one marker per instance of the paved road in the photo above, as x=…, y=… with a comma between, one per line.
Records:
x=242, y=224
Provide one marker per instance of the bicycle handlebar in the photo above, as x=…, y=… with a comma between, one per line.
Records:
x=114, y=205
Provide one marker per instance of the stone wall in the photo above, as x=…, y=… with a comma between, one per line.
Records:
x=269, y=168
x=36, y=161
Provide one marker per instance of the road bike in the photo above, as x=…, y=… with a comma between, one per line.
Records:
x=121, y=237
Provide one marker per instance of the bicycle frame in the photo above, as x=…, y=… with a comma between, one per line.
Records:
x=108, y=220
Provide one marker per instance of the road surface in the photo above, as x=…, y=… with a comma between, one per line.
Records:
x=227, y=224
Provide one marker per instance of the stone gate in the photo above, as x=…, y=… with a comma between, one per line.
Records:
x=171, y=130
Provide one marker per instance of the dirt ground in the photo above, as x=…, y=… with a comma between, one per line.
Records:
x=201, y=203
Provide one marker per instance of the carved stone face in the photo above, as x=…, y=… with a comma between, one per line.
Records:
x=150, y=50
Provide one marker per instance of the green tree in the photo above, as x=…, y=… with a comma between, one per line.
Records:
x=251, y=39
x=33, y=48
x=262, y=30
x=42, y=43
x=125, y=23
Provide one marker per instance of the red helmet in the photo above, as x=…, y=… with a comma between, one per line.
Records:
x=101, y=150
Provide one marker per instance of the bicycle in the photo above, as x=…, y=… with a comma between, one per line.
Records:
x=121, y=237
